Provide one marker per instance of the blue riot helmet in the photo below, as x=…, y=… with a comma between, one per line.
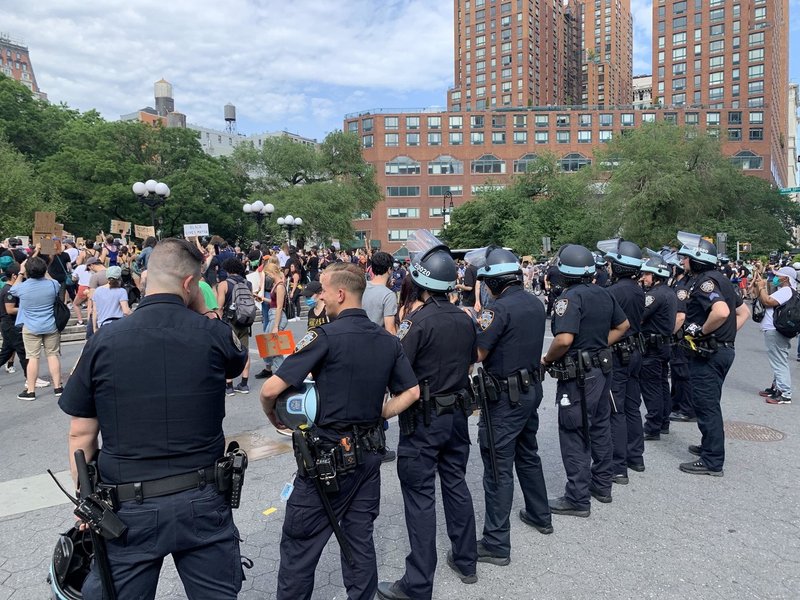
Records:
x=69, y=565
x=599, y=260
x=656, y=265
x=497, y=267
x=432, y=268
x=701, y=253
x=296, y=407
x=575, y=263
x=625, y=257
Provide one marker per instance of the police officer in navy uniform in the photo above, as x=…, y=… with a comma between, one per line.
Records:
x=625, y=260
x=658, y=326
x=714, y=313
x=586, y=321
x=600, y=270
x=161, y=421
x=510, y=348
x=353, y=361
x=439, y=341
x=681, y=391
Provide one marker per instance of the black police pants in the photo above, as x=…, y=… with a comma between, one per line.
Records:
x=306, y=531
x=708, y=376
x=12, y=342
x=681, y=384
x=654, y=382
x=585, y=465
x=626, y=417
x=195, y=526
x=441, y=448
x=515, y=429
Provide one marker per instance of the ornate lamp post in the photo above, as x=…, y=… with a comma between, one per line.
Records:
x=289, y=223
x=152, y=194
x=258, y=210
x=446, y=209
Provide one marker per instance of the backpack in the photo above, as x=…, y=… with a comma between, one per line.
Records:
x=786, y=317
x=241, y=312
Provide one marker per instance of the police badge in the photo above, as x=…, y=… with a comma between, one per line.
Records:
x=707, y=286
x=485, y=320
x=307, y=339
x=682, y=295
x=402, y=330
x=648, y=300
x=561, y=307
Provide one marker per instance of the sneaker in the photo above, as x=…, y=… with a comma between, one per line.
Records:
x=229, y=391
x=464, y=578
x=58, y=391
x=263, y=374
x=696, y=450
x=778, y=399
x=767, y=392
x=485, y=556
x=526, y=518
x=42, y=383
x=242, y=388
x=699, y=468
x=26, y=395
x=11, y=369
x=389, y=456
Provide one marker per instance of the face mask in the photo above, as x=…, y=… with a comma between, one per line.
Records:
x=254, y=264
x=776, y=280
x=311, y=302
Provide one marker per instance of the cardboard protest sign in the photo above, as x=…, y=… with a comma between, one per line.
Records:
x=45, y=240
x=275, y=344
x=121, y=227
x=44, y=221
x=144, y=231
x=194, y=230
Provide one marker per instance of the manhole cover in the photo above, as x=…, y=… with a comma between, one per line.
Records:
x=751, y=432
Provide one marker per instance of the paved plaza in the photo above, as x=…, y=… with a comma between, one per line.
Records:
x=666, y=535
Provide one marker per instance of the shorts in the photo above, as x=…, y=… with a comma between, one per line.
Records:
x=243, y=335
x=82, y=293
x=34, y=341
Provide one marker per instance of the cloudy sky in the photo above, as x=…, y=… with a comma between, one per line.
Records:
x=297, y=65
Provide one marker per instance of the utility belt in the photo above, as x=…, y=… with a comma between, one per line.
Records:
x=654, y=341
x=569, y=368
x=333, y=459
x=516, y=384
x=443, y=404
x=227, y=474
x=625, y=348
x=704, y=347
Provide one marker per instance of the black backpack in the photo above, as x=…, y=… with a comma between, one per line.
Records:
x=241, y=311
x=786, y=317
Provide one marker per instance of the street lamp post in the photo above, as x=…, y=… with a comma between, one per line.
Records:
x=446, y=208
x=152, y=194
x=258, y=210
x=289, y=223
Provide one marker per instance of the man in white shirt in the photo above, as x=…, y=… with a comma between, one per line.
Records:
x=777, y=345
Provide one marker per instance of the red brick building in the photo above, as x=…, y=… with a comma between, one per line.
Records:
x=15, y=62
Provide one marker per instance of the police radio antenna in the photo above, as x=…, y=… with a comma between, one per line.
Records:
x=61, y=487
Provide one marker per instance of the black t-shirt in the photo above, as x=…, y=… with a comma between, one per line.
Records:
x=660, y=308
x=553, y=276
x=318, y=320
x=470, y=277
x=708, y=288
x=58, y=267
x=588, y=312
x=5, y=297
x=630, y=297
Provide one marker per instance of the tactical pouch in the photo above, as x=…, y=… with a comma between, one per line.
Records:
x=445, y=405
x=604, y=361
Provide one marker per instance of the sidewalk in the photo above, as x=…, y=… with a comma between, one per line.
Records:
x=666, y=535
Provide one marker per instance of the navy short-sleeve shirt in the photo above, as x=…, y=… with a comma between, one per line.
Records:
x=588, y=312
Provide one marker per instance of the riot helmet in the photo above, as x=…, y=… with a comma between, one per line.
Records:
x=432, y=268
x=656, y=265
x=70, y=564
x=599, y=260
x=296, y=407
x=701, y=253
x=625, y=257
x=497, y=267
x=575, y=263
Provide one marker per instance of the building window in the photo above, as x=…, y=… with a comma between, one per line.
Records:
x=562, y=137
x=648, y=117
x=573, y=162
x=712, y=119
x=520, y=137
x=585, y=136
x=498, y=137
x=390, y=123
x=521, y=164
x=434, y=122
x=606, y=120
x=756, y=55
x=366, y=124
x=756, y=102
x=434, y=138
x=756, y=116
x=456, y=122
x=412, y=139
x=605, y=136
x=402, y=191
x=734, y=134
x=352, y=127
x=498, y=121
x=756, y=134
x=735, y=117
x=626, y=119
x=441, y=190
x=520, y=121
x=398, y=235
x=476, y=138
x=585, y=120
x=747, y=160
x=755, y=71
x=445, y=165
x=402, y=165
x=488, y=163
x=366, y=141
x=391, y=139
x=562, y=120
x=542, y=137
x=476, y=122
x=716, y=46
x=402, y=213
x=456, y=138
x=755, y=39
x=412, y=122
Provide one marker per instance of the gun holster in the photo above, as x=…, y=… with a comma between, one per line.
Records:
x=229, y=473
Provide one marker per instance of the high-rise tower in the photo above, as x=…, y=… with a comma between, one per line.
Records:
x=607, y=68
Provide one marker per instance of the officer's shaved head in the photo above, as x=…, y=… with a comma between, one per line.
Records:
x=171, y=262
x=347, y=276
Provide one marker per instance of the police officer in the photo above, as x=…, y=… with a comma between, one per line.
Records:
x=553, y=285
x=586, y=321
x=714, y=313
x=510, y=347
x=681, y=391
x=439, y=341
x=348, y=423
x=600, y=270
x=625, y=260
x=161, y=421
x=658, y=326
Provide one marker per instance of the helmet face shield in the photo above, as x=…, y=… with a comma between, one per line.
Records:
x=696, y=248
x=655, y=264
x=621, y=252
x=432, y=267
x=421, y=241
x=493, y=261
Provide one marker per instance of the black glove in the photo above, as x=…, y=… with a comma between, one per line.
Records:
x=693, y=329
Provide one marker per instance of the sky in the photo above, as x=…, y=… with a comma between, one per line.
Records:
x=298, y=66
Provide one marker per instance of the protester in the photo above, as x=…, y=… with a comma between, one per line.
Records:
x=110, y=301
x=777, y=345
x=379, y=302
x=235, y=271
x=276, y=317
x=317, y=314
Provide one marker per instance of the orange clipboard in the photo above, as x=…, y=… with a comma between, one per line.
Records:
x=275, y=344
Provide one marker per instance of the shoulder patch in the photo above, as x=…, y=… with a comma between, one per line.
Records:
x=236, y=341
x=648, y=300
x=485, y=319
x=402, y=330
x=307, y=339
x=707, y=286
x=682, y=294
x=561, y=306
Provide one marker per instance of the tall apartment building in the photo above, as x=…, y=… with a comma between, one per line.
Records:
x=730, y=57
x=516, y=53
x=15, y=62
x=607, y=59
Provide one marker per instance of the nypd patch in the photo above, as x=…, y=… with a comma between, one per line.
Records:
x=561, y=307
x=648, y=300
x=402, y=330
x=307, y=339
x=485, y=320
x=707, y=286
x=682, y=295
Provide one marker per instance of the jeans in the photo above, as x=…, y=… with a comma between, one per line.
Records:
x=272, y=363
x=778, y=355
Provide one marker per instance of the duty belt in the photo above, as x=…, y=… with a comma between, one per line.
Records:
x=516, y=383
x=155, y=488
x=655, y=340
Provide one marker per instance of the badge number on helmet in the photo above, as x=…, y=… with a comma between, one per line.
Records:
x=485, y=320
x=561, y=307
x=648, y=300
x=707, y=286
x=403, y=329
x=307, y=339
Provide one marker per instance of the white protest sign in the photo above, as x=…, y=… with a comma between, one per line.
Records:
x=195, y=230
